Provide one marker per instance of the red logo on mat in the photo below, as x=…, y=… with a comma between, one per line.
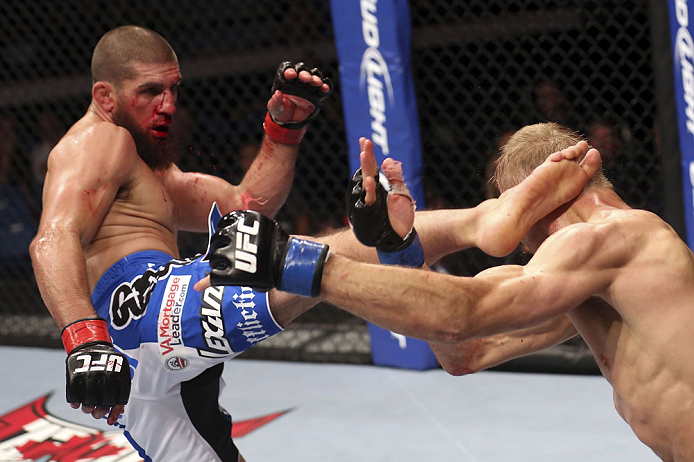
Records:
x=31, y=433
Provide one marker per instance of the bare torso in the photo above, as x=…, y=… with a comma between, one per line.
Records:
x=102, y=202
x=642, y=336
x=142, y=215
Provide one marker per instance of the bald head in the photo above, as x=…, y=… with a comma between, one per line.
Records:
x=120, y=48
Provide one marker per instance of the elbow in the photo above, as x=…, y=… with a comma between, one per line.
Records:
x=459, y=365
x=47, y=240
x=446, y=318
x=461, y=359
x=35, y=248
x=459, y=370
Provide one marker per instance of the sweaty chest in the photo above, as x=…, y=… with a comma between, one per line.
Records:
x=145, y=203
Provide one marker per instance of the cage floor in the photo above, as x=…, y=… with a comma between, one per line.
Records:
x=367, y=413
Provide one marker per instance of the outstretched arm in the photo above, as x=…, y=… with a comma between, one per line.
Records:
x=565, y=271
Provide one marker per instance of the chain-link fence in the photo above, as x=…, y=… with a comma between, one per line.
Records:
x=482, y=69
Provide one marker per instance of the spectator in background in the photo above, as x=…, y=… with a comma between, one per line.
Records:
x=604, y=135
x=17, y=222
x=550, y=101
x=552, y=104
x=50, y=129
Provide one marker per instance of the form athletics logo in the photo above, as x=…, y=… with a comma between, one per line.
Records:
x=31, y=433
x=372, y=65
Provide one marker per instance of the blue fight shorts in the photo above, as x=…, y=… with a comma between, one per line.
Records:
x=175, y=339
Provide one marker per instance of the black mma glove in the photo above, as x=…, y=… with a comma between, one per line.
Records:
x=250, y=249
x=371, y=225
x=96, y=374
x=293, y=132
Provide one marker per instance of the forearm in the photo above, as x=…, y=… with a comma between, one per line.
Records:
x=345, y=243
x=267, y=182
x=61, y=276
x=482, y=353
x=420, y=304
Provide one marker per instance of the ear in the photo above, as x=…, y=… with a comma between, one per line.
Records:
x=103, y=94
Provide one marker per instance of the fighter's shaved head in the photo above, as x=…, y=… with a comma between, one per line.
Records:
x=117, y=51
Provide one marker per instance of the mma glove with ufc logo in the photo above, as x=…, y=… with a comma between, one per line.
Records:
x=250, y=249
x=96, y=374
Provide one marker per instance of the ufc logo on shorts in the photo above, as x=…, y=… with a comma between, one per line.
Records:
x=245, y=255
x=105, y=363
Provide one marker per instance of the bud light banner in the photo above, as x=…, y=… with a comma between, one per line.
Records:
x=373, y=47
x=683, y=60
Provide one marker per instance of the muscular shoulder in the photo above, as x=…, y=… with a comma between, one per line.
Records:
x=575, y=243
x=103, y=146
x=610, y=240
x=102, y=137
x=649, y=238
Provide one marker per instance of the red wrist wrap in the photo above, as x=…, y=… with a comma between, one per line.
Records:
x=281, y=134
x=83, y=331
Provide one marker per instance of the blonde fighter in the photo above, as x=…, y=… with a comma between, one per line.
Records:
x=620, y=277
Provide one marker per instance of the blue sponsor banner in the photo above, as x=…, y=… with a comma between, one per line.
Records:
x=378, y=97
x=373, y=47
x=683, y=59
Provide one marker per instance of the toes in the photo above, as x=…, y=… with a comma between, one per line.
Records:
x=591, y=162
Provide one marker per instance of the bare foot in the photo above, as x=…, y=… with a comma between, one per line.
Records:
x=553, y=183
